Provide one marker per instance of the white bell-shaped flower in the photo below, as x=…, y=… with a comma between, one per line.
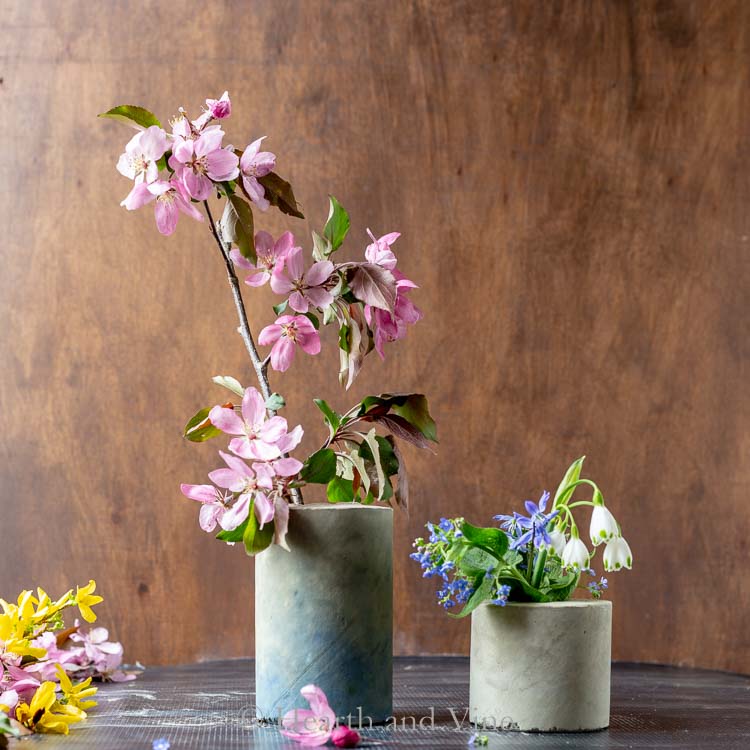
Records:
x=557, y=539
x=575, y=554
x=617, y=555
x=603, y=526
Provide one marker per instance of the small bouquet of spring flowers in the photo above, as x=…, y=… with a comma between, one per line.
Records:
x=538, y=557
x=46, y=668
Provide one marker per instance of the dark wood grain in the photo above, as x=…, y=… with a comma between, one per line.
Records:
x=571, y=180
x=211, y=705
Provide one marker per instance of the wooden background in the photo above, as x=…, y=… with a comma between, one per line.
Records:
x=571, y=180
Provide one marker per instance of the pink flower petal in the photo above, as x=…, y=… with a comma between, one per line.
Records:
x=261, y=451
x=166, y=213
x=287, y=467
x=139, y=196
x=253, y=407
x=222, y=165
x=236, y=514
x=291, y=440
x=319, y=297
x=318, y=273
x=258, y=278
x=298, y=303
x=295, y=263
x=227, y=479
x=246, y=161
x=282, y=355
x=281, y=522
x=273, y=429
x=264, y=475
x=209, y=516
x=284, y=244
x=226, y=420
x=309, y=342
x=240, y=260
x=264, y=509
x=269, y=335
x=280, y=281
x=197, y=185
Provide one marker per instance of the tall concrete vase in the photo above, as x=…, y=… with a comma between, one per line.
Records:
x=324, y=612
x=541, y=667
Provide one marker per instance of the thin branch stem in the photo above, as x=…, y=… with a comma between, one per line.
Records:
x=260, y=366
x=244, y=328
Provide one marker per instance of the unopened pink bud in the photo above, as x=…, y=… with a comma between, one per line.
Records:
x=343, y=736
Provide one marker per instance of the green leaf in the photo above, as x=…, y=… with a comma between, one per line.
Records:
x=278, y=309
x=235, y=535
x=256, y=539
x=313, y=318
x=279, y=193
x=473, y=561
x=344, y=342
x=320, y=468
x=322, y=247
x=137, y=117
x=562, y=589
x=412, y=407
x=230, y=383
x=340, y=490
x=571, y=475
x=199, y=428
x=481, y=594
x=275, y=402
x=490, y=539
x=337, y=225
x=388, y=459
x=237, y=226
x=331, y=417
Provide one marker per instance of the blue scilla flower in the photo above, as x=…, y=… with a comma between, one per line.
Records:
x=446, y=525
x=535, y=525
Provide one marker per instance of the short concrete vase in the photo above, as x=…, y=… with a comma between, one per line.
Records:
x=324, y=612
x=541, y=667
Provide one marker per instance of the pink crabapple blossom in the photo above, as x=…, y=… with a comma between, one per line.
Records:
x=255, y=163
x=304, y=288
x=142, y=152
x=214, y=504
x=249, y=484
x=288, y=332
x=200, y=162
x=171, y=199
x=257, y=433
x=310, y=726
x=98, y=655
x=379, y=251
x=216, y=109
x=269, y=253
x=392, y=326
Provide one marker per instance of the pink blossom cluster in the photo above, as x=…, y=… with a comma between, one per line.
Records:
x=318, y=288
x=81, y=653
x=174, y=169
x=266, y=442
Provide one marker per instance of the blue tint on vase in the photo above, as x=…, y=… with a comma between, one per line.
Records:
x=324, y=613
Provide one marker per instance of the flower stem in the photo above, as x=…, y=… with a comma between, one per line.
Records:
x=260, y=366
x=541, y=560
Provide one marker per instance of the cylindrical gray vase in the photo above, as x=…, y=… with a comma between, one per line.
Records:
x=324, y=612
x=541, y=667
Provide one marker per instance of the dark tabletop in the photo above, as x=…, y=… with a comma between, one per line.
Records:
x=210, y=705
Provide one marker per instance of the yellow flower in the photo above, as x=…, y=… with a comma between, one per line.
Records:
x=45, y=714
x=46, y=608
x=73, y=695
x=85, y=599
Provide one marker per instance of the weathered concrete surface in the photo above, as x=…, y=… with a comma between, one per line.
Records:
x=541, y=667
x=324, y=612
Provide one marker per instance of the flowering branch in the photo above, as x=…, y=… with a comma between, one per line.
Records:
x=367, y=301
